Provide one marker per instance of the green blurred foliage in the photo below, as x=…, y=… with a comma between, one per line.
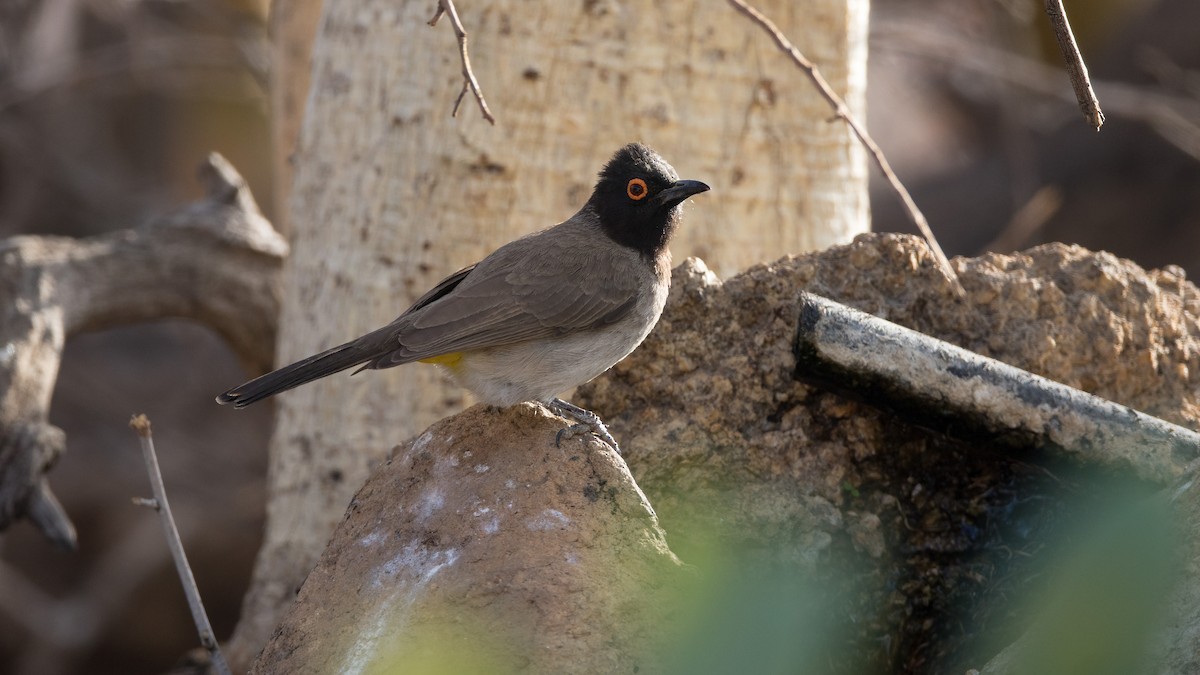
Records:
x=1104, y=596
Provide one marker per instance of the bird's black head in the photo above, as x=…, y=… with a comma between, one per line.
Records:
x=637, y=197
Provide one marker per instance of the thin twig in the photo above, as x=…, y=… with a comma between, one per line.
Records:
x=469, y=82
x=1076, y=70
x=841, y=110
x=141, y=425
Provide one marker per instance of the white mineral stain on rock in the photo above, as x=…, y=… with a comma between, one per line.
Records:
x=549, y=519
x=401, y=582
x=416, y=562
x=372, y=539
x=481, y=468
x=491, y=525
x=430, y=502
x=419, y=444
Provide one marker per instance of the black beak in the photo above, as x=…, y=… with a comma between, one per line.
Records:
x=679, y=191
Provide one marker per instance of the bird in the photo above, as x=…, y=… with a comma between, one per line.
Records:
x=540, y=315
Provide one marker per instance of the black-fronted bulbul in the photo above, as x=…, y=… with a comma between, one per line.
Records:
x=541, y=314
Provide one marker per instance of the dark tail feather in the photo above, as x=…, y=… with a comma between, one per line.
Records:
x=301, y=372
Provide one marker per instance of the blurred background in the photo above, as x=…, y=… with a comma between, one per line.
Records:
x=108, y=106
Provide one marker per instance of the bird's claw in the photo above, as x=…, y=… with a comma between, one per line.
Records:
x=570, y=432
x=586, y=421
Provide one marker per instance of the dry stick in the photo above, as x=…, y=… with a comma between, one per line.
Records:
x=941, y=386
x=469, y=81
x=840, y=110
x=1075, y=67
x=141, y=425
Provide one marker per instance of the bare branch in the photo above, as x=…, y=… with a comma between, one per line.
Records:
x=141, y=425
x=28, y=450
x=216, y=260
x=49, y=516
x=469, y=82
x=943, y=386
x=1076, y=69
x=841, y=111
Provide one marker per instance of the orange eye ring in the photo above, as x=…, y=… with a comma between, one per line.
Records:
x=636, y=189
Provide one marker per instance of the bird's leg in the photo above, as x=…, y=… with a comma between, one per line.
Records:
x=587, y=421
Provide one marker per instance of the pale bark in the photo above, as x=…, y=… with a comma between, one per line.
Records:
x=293, y=24
x=391, y=193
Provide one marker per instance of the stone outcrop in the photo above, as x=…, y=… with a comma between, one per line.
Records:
x=481, y=542
x=482, y=547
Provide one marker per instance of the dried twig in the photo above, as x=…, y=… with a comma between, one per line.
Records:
x=141, y=425
x=216, y=261
x=941, y=386
x=469, y=82
x=840, y=110
x=1075, y=67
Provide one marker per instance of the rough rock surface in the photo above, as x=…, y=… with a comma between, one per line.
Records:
x=482, y=547
x=733, y=449
x=1177, y=652
x=722, y=356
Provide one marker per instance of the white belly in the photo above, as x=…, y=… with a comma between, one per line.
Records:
x=538, y=370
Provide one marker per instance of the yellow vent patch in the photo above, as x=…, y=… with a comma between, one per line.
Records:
x=449, y=360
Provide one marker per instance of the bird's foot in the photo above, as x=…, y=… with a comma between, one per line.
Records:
x=587, y=421
x=567, y=433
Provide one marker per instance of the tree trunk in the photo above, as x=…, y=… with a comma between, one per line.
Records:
x=391, y=194
x=293, y=24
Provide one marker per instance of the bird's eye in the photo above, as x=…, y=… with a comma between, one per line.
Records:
x=636, y=189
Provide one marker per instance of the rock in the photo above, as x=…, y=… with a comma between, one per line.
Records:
x=1175, y=652
x=736, y=453
x=482, y=547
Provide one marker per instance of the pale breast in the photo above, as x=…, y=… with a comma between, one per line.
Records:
x=538, y=370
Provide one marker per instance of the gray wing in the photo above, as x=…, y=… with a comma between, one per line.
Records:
x=553, y=283
x=444, y=287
